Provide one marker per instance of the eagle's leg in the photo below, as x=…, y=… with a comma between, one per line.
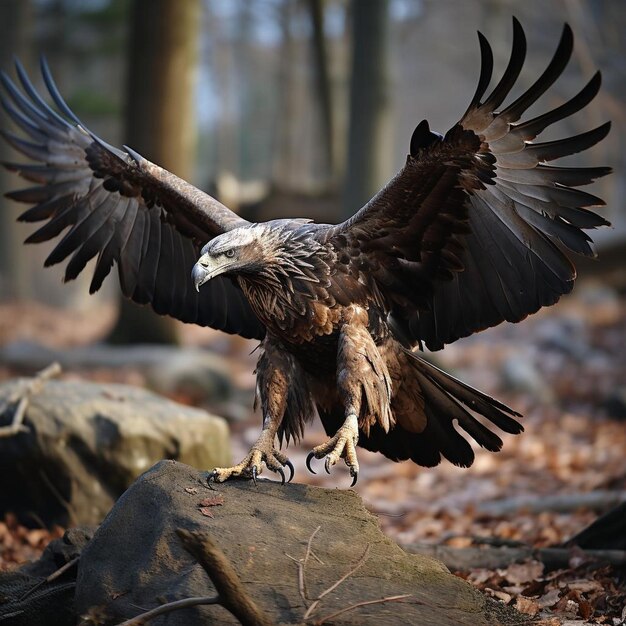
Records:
x=362, y=374
x=341, y=445
x=263, y=451
x=272, y=385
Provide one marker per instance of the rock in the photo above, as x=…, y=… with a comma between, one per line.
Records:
x=136, y=559
x=87, y=442
x=195, y=372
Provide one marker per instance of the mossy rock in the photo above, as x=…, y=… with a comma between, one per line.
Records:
x=136, y=559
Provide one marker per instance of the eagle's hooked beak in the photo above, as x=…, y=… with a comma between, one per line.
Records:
x=205, y=269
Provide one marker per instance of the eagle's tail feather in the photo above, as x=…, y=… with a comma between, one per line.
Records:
x=446, y=400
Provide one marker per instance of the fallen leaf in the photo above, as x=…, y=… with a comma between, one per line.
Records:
x=501, y=595
x=206, y=511
x=527, y=606
x=523, y=572
x=567, y=607
x=212, y=501
x=585, y=586
x=549, y=599
x=191, y=490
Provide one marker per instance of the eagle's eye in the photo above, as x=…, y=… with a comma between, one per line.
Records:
x=229, y=253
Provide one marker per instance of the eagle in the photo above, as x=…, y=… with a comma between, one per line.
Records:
x=475, y=229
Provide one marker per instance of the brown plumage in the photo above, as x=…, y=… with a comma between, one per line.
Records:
x=471, y=232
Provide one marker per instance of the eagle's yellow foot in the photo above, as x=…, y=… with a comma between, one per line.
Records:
x=262, y=451
x=342, y=445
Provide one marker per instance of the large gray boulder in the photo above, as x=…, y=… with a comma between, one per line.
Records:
x=87, y=442
x=136, y=559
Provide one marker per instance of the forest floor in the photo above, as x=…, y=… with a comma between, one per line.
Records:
x=564, y=369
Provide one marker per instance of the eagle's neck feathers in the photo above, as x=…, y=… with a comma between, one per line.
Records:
x=290, y=270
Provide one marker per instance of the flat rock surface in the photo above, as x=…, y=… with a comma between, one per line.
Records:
x=136, y=559
x=87, y=442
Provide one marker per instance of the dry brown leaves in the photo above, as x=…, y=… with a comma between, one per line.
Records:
x=205, y=504
x=19, y=544
x=593, y=593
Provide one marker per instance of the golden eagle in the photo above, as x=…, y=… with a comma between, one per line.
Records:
x=471, y=232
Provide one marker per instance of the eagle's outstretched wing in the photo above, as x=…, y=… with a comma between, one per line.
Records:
x=121, y=208
x=472, y=231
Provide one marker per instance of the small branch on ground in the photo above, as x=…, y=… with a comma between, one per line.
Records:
x=22, y=397
x=185, y=603
x=312, y=604
x=57, y=574
x=463, y=559
x=301, y=563
x=359, y=604
x=334, y=586
x=231, y=593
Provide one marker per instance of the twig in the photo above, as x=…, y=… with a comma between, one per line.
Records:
x=308, y=545
x=301, y=563
x=359, y=604
x=144, y=618
x=56, y=574
x=231, y=593
x=22, y=397
x=334, y=586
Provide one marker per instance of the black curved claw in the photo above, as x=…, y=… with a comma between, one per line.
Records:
x=309, y=458
x=254, y=475
x=282, y=475
x=327, y=465
x=212, y=476
x=292, y=470
x=355, y=477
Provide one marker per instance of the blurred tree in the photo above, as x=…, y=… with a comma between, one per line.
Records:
x=160, y=120
x=370, y=136
x=322, y=89
x=283, y=149
x=15, y=19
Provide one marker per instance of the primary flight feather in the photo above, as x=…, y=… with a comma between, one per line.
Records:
x=471, y=232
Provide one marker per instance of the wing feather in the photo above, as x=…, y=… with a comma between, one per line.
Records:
x=120, y=208
x=473, y=230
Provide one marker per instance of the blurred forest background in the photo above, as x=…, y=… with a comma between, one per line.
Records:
x=288, y=107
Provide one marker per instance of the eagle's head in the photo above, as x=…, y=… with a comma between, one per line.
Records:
x=239, y=251
x=271, y=253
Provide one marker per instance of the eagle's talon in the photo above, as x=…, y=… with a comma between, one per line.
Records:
x=252, y=465
x=342, y=445
x=292, y=470
x=309, y=457
x=282, y=475
x=327, y=465
x=355, y=476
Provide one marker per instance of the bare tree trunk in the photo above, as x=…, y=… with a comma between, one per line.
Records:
x=322, y=89
x=369, y=138
x=160, y=120
x=283, y=157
